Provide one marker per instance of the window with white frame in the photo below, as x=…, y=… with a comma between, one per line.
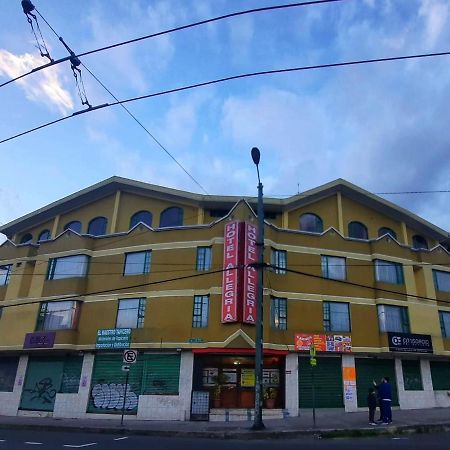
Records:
x=278, y=313
x=334, y=267
x=137, y=263
x=59, y=315
x=444, y=318
x=131, y=313
x=68, y=267
x=393, y=318
x=201, y=311
x=336, y=316
x=441, y=280
x=5, y=273
x=388, y=272
x=278, y=258
x=203, y=258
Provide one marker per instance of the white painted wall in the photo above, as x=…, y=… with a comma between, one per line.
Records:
x=9, y=401
x=291, y=381
x=350, y=395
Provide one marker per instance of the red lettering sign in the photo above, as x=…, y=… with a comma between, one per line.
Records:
x=230, y=274
x=250, y=275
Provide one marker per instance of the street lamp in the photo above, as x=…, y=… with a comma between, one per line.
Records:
x=258, y=423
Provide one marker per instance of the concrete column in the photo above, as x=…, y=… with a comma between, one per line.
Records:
x=10, y=401
x=291, y=394
x=186, y=375
x=75, y=405
x=349, y=381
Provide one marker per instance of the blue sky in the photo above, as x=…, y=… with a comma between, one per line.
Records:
x=383, y=127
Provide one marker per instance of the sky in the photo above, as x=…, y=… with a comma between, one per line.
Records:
x=383, y=127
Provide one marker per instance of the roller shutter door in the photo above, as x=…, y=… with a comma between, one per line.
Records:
x=440, y=374
x=327, y=380
x=161, y=374
x=367, y=370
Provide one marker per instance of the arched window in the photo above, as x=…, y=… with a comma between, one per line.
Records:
x=419, y=242
x=171, y=217
x=26, y=238
x=44, y=236
x=97, y=226
x=75, y=225
x=311, y=222
x=357, y=230
x=141, y=216
x=385, y=230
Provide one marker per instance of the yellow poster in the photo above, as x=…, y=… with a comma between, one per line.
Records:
x=247, y=377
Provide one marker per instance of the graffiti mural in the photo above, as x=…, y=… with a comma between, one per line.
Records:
x=43, y=391
x=111, y=396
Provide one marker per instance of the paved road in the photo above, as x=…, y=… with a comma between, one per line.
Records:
x=48, y=440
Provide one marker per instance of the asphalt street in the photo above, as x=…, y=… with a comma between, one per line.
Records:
x=50, y=440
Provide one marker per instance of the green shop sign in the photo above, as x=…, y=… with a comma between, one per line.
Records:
x=114, y=338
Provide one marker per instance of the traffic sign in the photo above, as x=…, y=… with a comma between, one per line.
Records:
x=125, y=369
x=130, y=356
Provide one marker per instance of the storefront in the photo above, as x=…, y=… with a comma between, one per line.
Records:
x=229, y=377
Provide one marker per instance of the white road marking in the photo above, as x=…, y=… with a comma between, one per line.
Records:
x=79, y=446
x=121, y=438
x=2, y=440
x=33, y=443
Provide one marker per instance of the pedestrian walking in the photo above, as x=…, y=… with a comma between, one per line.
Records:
x=372, y=404
x=385, y=395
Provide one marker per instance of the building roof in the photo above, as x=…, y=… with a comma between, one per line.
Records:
x=111, y=185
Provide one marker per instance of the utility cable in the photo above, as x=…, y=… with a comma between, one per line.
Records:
x=173, y=30
x=230, y=78
x=75, y=62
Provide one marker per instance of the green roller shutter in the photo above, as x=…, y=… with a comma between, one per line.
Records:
x=369, y=369
x=327, y=380
x=412, y=377
x=42, y=382
x=440, y=374
x=161, y=374
x=108, y=385
x=8, y=370
x=71, y=375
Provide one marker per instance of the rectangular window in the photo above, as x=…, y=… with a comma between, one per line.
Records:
x=201, y=311
x=278, y=259
x=131, y=313
x=444, y=318
x=412, y=377
x=203, y=258
x=334, y=267
x=441, y=280
x=278, y=313
x=68, y=267
x=393, y=318
x=388, y=272
x=58, y=316
x=336, y=316
x=137, y=263
x=5, y=273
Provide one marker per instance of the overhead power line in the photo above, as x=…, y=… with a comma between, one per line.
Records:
x=173, y=30
x=231, y=78
x=85, y=102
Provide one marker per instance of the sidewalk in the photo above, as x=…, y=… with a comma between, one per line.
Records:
x=329, y=423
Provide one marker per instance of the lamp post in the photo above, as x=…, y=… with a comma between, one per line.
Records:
x=258, y=423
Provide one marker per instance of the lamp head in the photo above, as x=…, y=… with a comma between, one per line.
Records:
x=256, y=155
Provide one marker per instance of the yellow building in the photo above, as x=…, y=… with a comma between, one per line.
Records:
x=129, y=265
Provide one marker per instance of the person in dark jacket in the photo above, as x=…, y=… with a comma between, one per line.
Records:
x=385, y=395
x=372, y=404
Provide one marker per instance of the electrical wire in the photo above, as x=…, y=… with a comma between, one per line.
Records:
x=231, y=78
x=173, y=30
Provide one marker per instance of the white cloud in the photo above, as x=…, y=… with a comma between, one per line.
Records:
x=45, y=86
x=435, y=14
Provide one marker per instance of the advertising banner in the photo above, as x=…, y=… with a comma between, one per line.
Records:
x=407, y=342
x=250, y=274
x=323, y=343
x=114, y=338
x=230, y=274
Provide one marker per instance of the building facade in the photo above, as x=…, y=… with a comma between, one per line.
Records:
x=128, y=265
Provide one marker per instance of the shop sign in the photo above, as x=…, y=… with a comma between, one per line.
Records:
x=230, y=274
x=336, y=343
x=407, y=342
x=195, y=340
x=114, y=338
x=39, y=340
x=247, y=377
x=250, y=274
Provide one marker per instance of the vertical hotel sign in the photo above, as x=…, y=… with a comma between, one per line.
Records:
x=230, y=274
x=250, y=274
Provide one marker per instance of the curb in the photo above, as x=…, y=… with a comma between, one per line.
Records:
x=241, y=435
